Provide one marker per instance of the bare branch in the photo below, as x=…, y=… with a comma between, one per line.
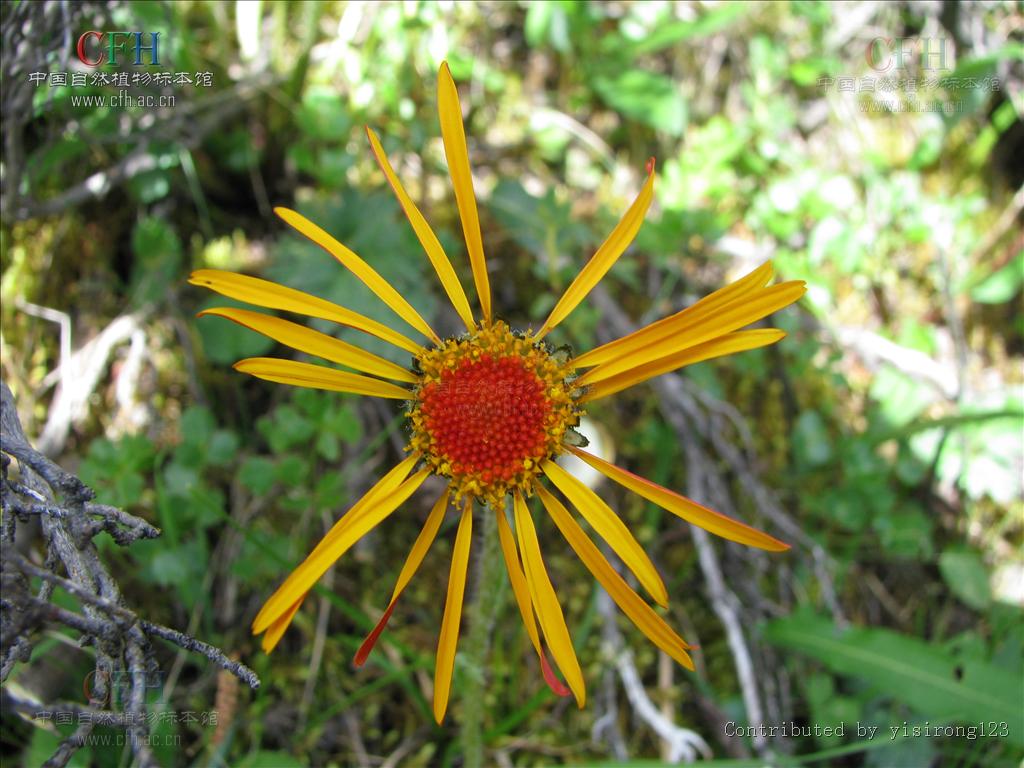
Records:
x=709, y=433
x=69, y=522
x=682, y=743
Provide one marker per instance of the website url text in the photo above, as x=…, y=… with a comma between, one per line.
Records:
x=122, y=100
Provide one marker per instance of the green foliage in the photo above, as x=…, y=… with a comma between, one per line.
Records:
x=644, y=96
x=967, y=577
x=368, y=224
x=118, y=470
x=1001, y=285
x=897, y=221
x=933, y=682
x=264, y=759
x=157, y=252
x=225, y=342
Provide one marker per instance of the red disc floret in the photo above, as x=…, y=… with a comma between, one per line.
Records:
x=487, y=416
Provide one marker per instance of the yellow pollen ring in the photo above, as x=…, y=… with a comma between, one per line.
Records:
x=488, y=409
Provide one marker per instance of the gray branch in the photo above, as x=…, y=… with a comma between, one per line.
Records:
x=40, y=489
x=709, y=432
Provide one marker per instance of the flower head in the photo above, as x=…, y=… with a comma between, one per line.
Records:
x=489, y=408
x=490, y=411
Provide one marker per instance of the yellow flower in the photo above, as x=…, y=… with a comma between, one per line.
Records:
x=490, y=411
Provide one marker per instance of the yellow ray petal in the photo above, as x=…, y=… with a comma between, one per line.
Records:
x=701, y=310
x=545, y=602
x=449, y=636
x=426, y=236
x=639, y=612
x=347, y=531
x=661, y=355
x=314, y=343
x=453, y=135
x=419, y=550
x=756, y=278
x=264, y=293
x=522, y=592
x=386, y=485
x=691, y=511
x=609, y=527
x=276, y=630
x=737, y=341
x=367, y=274
x=688, y=331
x=422, y=544
x=318, y=377
x=517, y=578
x=604, y=258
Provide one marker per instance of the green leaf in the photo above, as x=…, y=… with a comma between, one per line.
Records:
x=541, y=225
x=55, y=158
x=845, y=506
x=257, y=474
x=648, y=97
x=226, y=342
x=222, y=447
x=166, y=739
x=980, y=66
x=270, y=760
x=371, y=225
x=927, y=679
x=327, y=446
x=292, y=471
x=904, y=531
x=811, y=439
x=547, y=23
x=330, y=492
x=175, y=566
x=667, y=35
x=235, y=149
x=901, y=398
x=150, y=186
x=967, y=577
x=805, y=72
x=829, y=708
x=262, y=555
x=312, y=403
x=43, y=745
x=197, y=425
x=288, y=428
x=179, y=480
x=344, y=424
x=953, y=421
x=127, y=488
x=1003, y=284
x=927, y=151
x=157, y=252
x=206, y=505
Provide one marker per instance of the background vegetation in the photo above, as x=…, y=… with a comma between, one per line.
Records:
x=882, y=437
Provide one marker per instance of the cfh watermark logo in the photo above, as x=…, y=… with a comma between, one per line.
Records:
x=896, y=54
x=102, y=688
x=96, y=48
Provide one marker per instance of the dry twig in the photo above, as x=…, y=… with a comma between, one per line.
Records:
x=683, y=744
x=69, y=522
x=703, y=430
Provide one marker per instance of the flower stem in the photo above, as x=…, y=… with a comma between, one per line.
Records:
x=488, y=601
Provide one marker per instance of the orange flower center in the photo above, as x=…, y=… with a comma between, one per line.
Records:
x=490, y=407
x=486, y=415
